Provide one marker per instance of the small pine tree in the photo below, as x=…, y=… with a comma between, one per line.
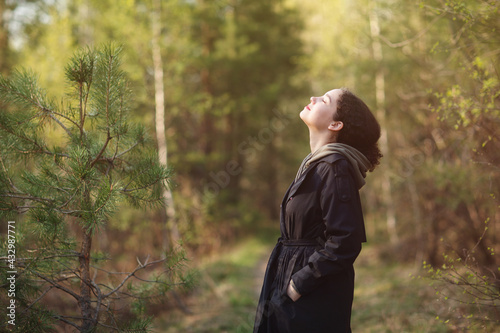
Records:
x=99, y=160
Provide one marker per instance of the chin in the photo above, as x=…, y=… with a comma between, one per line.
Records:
x=304, y=120
x=301, y=115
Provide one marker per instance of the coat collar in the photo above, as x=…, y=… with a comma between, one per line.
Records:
x=296, y=184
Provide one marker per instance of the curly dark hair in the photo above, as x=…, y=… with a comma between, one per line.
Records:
x=361, y=130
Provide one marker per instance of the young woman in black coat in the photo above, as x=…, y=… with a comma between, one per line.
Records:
x=309, y=282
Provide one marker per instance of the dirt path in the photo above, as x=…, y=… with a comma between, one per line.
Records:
x=227, y=294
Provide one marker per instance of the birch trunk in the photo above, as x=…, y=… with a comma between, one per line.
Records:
x=4, y=39
x=171, y=234
x=380, y=113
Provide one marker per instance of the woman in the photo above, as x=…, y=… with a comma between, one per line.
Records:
x=309, y=281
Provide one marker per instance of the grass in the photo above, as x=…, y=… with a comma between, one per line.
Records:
x=388, y=297
x=227, y=294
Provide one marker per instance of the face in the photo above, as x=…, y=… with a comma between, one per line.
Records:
x=318, y=114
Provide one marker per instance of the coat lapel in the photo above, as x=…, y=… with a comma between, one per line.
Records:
x=296, y=185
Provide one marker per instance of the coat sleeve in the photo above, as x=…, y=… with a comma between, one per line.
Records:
x=344, y=232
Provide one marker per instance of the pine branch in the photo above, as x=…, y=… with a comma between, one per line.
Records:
x=38, y=299
x=21, y=260
x=103, y=149
x=29, y=95
x=26, y=197
x=70, y=198
x=4, y=169
x=132, y=274
x=118, y=155
x=70, y=187
x=41, y=149
x=110, y=327
x=59, y=123
x=62, y=318
x=57, y=285
x=82, y=109
x=142, y=187
x=67, y=118
x=99, y=299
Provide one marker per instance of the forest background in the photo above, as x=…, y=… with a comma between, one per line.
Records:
x=236, y=74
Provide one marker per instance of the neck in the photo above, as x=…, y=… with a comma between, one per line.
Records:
x=317, y=140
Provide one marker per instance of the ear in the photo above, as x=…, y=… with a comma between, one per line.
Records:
x=336, y=126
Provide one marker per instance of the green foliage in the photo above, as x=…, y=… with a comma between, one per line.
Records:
x=467, y=281
x=140, y=326
x=225, y=297
x=473, y=102
x=470, y=112
x=229, y=65
x=77, y=184
x=472, y=108
x=228, y=68
x=468, y=290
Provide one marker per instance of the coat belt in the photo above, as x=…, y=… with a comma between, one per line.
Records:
x=301, y=242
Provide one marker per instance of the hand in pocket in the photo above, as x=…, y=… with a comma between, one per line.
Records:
x=292, y=292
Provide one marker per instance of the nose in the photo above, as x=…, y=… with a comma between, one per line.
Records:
x=314, y=99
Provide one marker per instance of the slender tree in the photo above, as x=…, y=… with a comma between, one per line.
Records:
x=75, y=183
x=170, y=225
x=4, y=38
x=380, y=112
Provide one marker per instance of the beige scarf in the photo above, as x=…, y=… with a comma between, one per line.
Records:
x=359, y=162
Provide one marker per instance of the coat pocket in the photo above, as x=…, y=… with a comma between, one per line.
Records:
x=288, y=274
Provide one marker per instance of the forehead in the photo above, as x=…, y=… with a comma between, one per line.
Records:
x=333, y=95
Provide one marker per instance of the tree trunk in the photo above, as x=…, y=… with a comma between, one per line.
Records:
x=85, y=304
x=417, y=218
x=380, y=113
x=85, y=26
x=207, y=40
x=171, y=233
x=4, y=39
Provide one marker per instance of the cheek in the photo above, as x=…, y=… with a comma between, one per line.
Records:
x=326, y=116
x=331, y=114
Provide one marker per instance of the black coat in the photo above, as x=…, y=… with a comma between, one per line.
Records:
x=322, y=229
